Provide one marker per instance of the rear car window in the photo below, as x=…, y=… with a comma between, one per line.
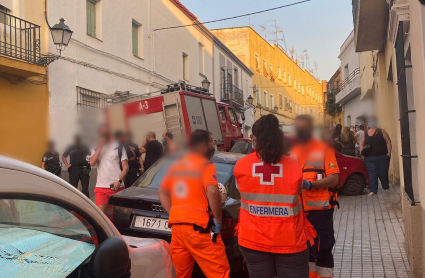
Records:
x=155, y=174
x=242, y=147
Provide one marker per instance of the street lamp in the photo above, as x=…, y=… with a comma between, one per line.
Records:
x=206, y=84
x=250, y=100
x=275, y=109
x=61, y=35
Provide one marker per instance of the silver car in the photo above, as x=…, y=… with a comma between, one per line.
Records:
x=49, y=229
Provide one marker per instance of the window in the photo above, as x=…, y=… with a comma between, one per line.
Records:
x=257, y=96
x=265, y=99
x=44, y=235
x=306, y=90
x=271, y=71
x=299, y=86
x=88, y=100
x=185, y=67
x=289, y=79
x=201, y=59
x=91, y=18
x=222, y=111
x=265, y=68
x=296, y=108
x=284, y=76
x=295, y=84
x=279, y=73
x=290, y=104
x=257, y=63
x=137, y=34
x=271, y=101
x=302, y=89
x=280, y=101
x=233, y=116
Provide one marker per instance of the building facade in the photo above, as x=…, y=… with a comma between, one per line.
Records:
x=355, y=109
x=333, y=111
x=390, y=35
x=280, y=85
x=126, y=49
x=24, y=94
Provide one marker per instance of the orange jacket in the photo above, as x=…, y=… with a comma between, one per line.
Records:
x=187, y=181
x=317, y=160
x=271, y=218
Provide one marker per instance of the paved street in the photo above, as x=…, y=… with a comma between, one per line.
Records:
x=370, y=237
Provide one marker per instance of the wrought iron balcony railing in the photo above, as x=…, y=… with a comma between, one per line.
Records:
x=19, y=39
x=231, y=92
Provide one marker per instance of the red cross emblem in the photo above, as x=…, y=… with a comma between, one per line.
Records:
x=267, y=172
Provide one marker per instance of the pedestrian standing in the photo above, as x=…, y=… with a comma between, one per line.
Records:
x=112, y=167
x=347, y=141
x=153, y=150
x=336, y=133
x=376, y=147
x=79, y=165
x=135, y=163
x=191, y=196
x=319, y=197
x=273, y=230
x=50, y=161
x=359, y=135
x=168, y=141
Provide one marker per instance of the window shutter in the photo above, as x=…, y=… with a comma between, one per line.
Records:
x=135, y=39
x=91, y=18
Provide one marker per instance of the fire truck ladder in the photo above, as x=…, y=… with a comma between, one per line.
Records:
x=173, y=122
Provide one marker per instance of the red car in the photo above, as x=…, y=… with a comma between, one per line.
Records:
x=353, y=177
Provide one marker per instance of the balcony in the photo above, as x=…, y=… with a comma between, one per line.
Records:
x=232, y=94
x=19, y=46
x=370, y=19
x=349, y=88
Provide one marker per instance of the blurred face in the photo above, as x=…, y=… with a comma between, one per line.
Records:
x=104, y=132
x=77, y=140
x=303, y=130
x=208, y=150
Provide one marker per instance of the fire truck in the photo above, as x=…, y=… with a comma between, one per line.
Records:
x=180, y=109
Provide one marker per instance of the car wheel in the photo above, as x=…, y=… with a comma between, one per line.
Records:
x=354, y=185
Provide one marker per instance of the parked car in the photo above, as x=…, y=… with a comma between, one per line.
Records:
x=137, y=210
x=50, y=229
x=353, y=177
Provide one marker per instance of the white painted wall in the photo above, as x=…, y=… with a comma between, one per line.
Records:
x=160, y=62
x=355, y=109
x=348, y=56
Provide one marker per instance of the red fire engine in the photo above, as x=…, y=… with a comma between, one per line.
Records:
x=179, y=110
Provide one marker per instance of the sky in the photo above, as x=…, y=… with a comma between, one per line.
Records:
x=320, y=26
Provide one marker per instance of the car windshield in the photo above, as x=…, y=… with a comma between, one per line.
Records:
x=241, y=147
x=153, y=177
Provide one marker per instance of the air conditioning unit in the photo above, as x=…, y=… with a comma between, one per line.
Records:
x=256, y=88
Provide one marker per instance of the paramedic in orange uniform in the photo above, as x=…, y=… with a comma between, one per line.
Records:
x=320, y=170
x=190, y=194
x=273, y=231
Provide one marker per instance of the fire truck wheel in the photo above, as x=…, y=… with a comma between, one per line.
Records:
x=354, y=185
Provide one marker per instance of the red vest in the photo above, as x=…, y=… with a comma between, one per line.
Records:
x=271, y=217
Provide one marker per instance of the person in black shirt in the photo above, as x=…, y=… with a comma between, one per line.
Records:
x=50, y=161
x=153, y=150
x=135, y=163
x=78, y=166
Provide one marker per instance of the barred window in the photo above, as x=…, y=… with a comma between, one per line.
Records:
x=88, y=100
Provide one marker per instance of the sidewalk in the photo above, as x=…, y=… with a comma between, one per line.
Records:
x=369, y=236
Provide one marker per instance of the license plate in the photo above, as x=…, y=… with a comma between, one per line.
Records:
x=151, y=223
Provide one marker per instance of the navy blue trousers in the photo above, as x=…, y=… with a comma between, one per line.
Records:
x=377, y=167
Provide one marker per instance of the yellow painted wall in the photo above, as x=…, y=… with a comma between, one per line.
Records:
x=24, y=106
x=246, y=44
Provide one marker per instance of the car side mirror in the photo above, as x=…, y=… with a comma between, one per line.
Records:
x=111, y=259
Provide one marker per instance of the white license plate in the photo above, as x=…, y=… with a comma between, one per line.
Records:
x=151, y=223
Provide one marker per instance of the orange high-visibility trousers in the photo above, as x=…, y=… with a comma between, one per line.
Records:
x=188, y=246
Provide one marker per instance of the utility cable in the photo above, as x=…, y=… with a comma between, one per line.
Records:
x=233, y=17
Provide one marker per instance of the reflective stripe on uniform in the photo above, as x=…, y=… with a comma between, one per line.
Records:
x=318, y=204
x=319, y=164
x=274, y=198
x=312, y=267
x=325, y=272
x=185, y=174
x=276, y=211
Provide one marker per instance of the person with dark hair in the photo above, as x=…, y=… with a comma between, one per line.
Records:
x=319, y=196
x=153, y=150
x=50, y=161
x=78, y=167
x=193, y=201
x=135, y=160
x=273, y=232
x=168, y=141
x=336, y=134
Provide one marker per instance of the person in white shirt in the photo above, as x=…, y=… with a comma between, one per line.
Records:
x=112, y=167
